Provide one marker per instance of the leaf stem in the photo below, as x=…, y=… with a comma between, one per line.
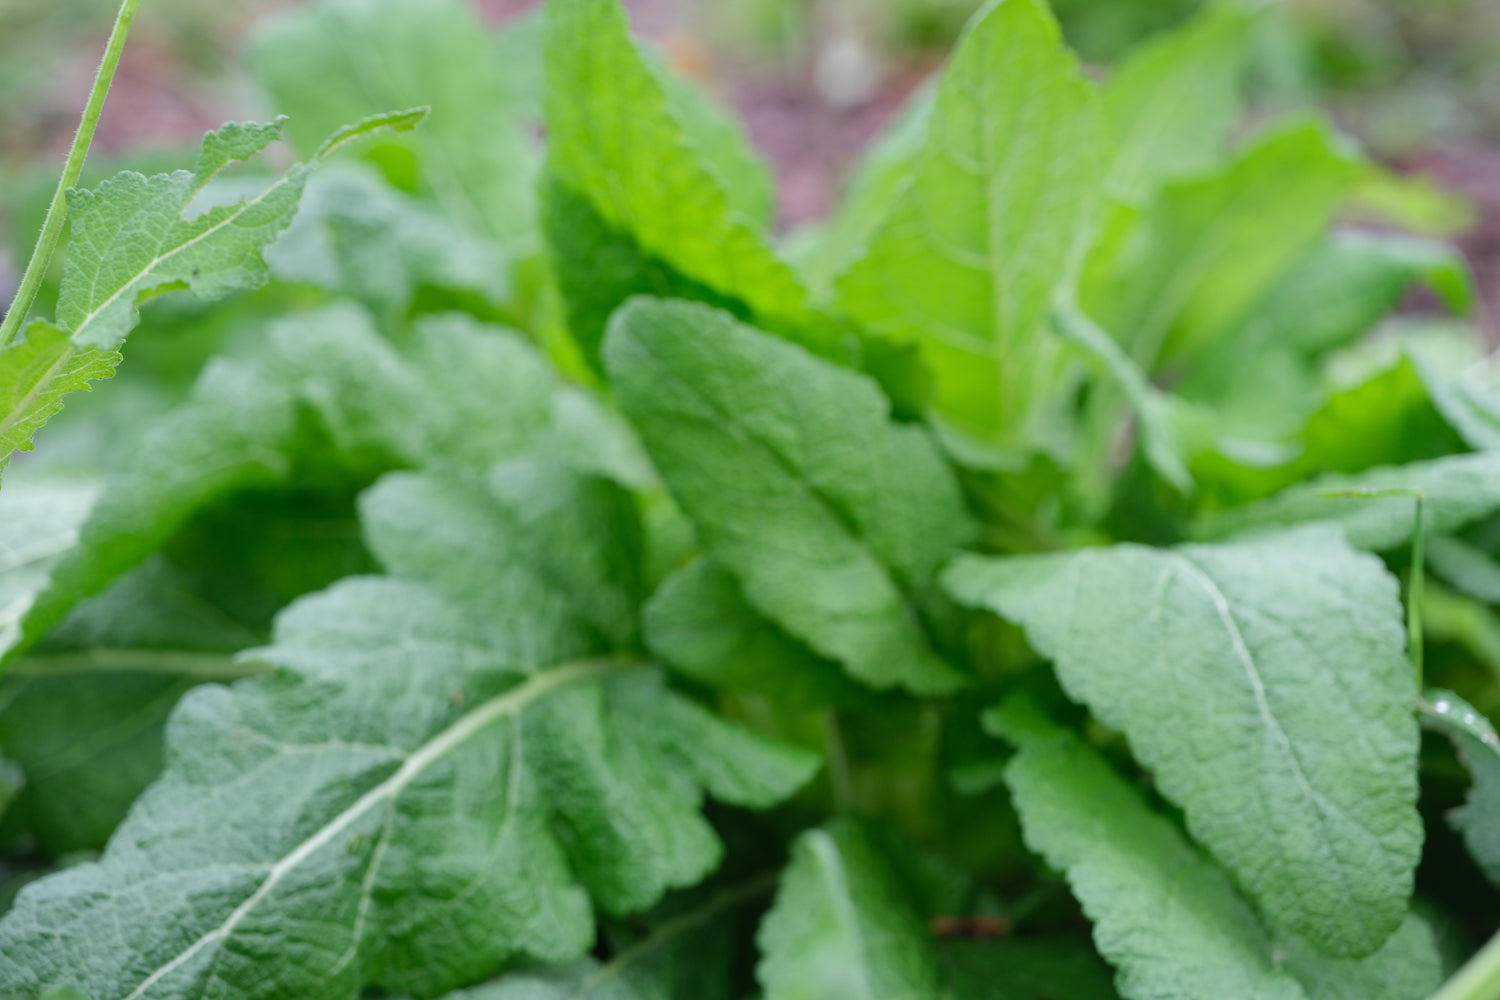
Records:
x=57, y=212
x=1479, y=979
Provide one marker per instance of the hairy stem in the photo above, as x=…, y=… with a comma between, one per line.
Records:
x=1479, y=979
x=57, y=212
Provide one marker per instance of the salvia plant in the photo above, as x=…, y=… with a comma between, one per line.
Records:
x=543, y=581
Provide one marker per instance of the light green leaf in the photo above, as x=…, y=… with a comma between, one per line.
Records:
x=1172, y=279
x=877, y=181
x=621, y=152
x=1469, y=569
x=699, y=624
x=836, y=518
x=1167, y=918
x=345, y=809
x=84, y=713
x=132, y=239
x=356, y=235
x=466, y=397
x=842, y=927
x=1173, y=103
x=1001, y=202
x=1458, y=489
x=35, y=374
x=329, y=62
x=1266, y=687
x=1478, y=747
x=515, y=532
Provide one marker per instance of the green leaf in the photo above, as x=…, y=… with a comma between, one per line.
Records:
x=700, y=624
x=466, y=397
x=1172, y=104
x=1001, y=202
x=836, y=520
x=876, y=183
x=842, y=927
x=35, y=374
x=1458, y=489
x=84, y=713
x=1469, y=569
x=345, y=808
x=515, y=532
x=12, y=782
x=1266, y=687
x=1170, y=280
x=621, y=149
x=1478, y=747
x=328, y=63
x=358, y=236
x=131, y=240
x=1164, y=916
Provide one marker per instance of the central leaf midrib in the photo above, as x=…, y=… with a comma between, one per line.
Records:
x=511, y=703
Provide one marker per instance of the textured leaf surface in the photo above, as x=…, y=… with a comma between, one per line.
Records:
x=1171, y=106
x=1479, y=748
x=699, y=623
x=618, y=143
x=1166, y=917
x=35, y=374
x=1459, y=489
x=831, y=517
x=332, y=62
x=465, y=396
x=84, y=714
x=842, y=927
x=344, y=815
x=1266, y=687
x=1171, y=279
x=1000, y=202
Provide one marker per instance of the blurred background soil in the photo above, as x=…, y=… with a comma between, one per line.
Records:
x=1418, y=81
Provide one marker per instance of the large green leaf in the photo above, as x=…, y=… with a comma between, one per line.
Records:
x=628, y=181
x=832, y=518
x=344, y=810
x=1166, y=917
x=1172, y=104
x=1479, y=748
x=1168, y=280
x=329, y=62
x=842, y=927
x=1266, y=687
x=699, y=624
x=1001, y=202
x=1458, y=489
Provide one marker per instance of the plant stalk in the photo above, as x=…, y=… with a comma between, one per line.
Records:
x=57, y=212
x=1479, y=979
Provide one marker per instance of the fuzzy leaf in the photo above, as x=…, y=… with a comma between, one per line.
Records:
x=621, y=151
x=1167, y=918
x=1458, y=489
x=1266, y=687
x=1001, y=202
x=842, y=927
x=699, y=623
x=343, y=813
x=35, y=374
x=329, y=62
x=836, y=519
x=1172, y=104
x=1479, y=748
